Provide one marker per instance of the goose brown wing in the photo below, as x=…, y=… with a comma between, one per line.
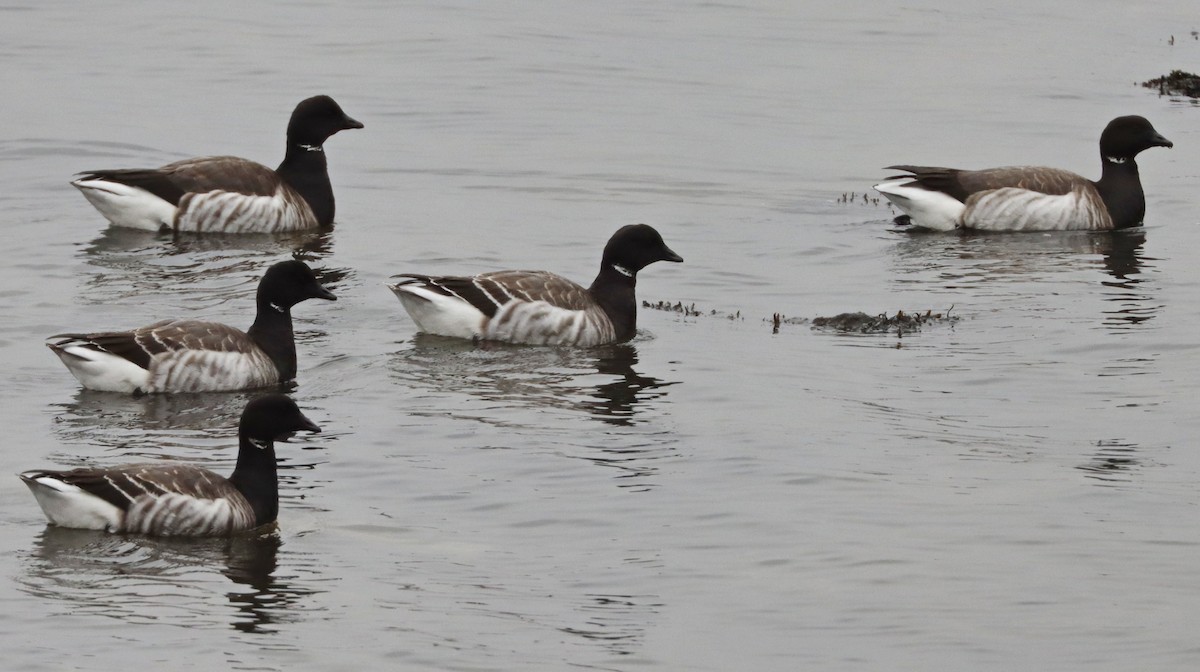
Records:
x=1051, y=181
x=152, y=180
x=539, y=286
x=222, y=173
x=487, y=292
x=122, y=486
x=960, y=184
x=141, y=345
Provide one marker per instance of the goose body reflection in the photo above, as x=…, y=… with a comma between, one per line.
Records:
x=96, y=573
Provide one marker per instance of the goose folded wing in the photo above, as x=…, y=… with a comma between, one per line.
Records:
x=141, y=345
x=961, y=184
x=488, y=292
x=222, y=173
x=1050, y=181
x=152, y=180
x=123, y=486
x=540, y=286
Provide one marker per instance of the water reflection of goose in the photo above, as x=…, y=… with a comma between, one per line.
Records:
x=253, y=561
x=508, y=386
x=1001, y=261
x=617, y=402
x=974, y=256
x=1114, y=462
x=534, y=376
x=617, y=622
x=134, y=263
x=176, y=581
x=143, y=426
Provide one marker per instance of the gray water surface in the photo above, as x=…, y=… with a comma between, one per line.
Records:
x=1016, y=489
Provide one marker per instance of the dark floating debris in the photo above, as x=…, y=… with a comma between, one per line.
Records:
x=1178, y=83
x=689, y=310
x=855, y=197
x=860, y=323
x=901, y=322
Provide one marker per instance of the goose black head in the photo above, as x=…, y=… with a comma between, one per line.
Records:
x=1125, y=137
x=289, y=282
x=635, y=247
x=317, y=118
x=273, y=417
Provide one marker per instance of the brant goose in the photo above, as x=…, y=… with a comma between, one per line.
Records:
x=536, y=307
x=162, y=499
x=226, y=194
x=1031, y=198
x=198, y=356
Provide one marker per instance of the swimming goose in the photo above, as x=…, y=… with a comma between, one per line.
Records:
x=536, y=307
x=226, y=194
x=194, y=355
x=1031, y=198
x=184, y=500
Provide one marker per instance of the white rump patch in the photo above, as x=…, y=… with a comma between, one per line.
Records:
x=436, y=313
x=98, y=370
x=928, y=209
x=127, y=206
x=66, y=505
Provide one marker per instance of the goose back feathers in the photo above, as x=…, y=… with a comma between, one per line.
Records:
x=158, y=499
x=1031, y=198
x=227, y=194
x=537, y=307
x=196, y=355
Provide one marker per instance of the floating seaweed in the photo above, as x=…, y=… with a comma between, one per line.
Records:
x=1177, y=83
x=901, y=322
x=855, y=197
x=860, y=322
x=779, y=319
x=689, y=310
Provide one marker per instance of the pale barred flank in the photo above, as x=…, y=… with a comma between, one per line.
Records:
x=183, y=515
x=540, y=323
x=145, y=499
x=177, y=356
x=1014, y=209
x=529, y=307
x=232, y=212
x=210, y=371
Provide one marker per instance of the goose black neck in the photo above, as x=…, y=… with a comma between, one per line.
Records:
x=272, y=332
x=613, y=291
x=306, y=170
x=1120, y=187
x=256, y=476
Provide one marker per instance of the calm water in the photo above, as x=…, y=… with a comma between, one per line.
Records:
x=1016, y=490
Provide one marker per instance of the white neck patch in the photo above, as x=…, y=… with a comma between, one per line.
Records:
x=622, y=270
x=1113, y=159
x=261, y=445
x=278, y=308
x=311, y=148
